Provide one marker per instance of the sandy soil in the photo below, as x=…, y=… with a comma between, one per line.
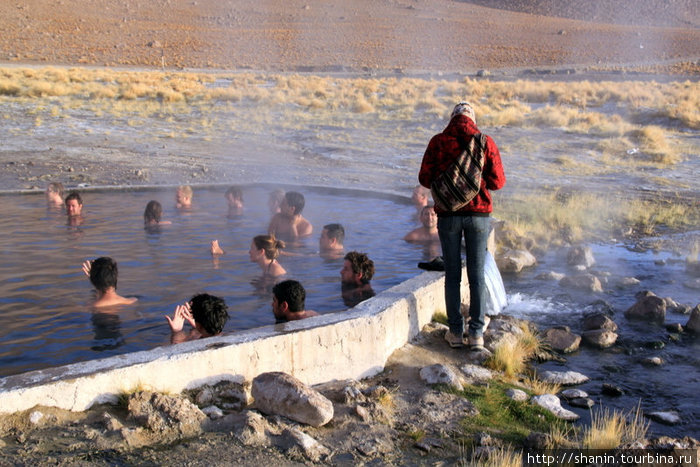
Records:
x=307, y=35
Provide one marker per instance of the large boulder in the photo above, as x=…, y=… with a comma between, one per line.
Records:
x=601, y=338
x=580, y=255
x=693, y=324
x=586, y=282
x=649, y=307
x=515, y=260
x=561, y=339
x=598, y=320
x=278, y=393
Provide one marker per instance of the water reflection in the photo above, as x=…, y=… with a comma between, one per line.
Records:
x=107, y=327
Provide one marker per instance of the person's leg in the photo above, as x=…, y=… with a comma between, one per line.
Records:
x=476, y=236
x=450, y=231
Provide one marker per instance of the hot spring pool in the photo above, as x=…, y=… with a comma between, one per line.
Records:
x=45, y=297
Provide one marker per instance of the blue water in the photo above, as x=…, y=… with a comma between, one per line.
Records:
x=45, y=297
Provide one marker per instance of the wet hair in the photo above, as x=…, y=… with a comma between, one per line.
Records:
x=335, y=231
x=74, y=195
x=210, y=312
x=361, y=264
x=235, y=192
x=56, y=187
x=292, y=292
x=153, y=212
x=270, y=244
x=295, y=200
x=186, y=190
x=103, y=273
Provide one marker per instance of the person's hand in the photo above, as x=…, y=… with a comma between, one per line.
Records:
x=215, y=248
x=182, y=313
x=87, y=266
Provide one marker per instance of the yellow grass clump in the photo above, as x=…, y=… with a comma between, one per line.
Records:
x=609, y=430
x=539, y=387
x=496, y=457
x=654, y=142
x=509, y=356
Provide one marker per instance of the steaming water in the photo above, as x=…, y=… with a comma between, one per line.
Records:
x=44, y=295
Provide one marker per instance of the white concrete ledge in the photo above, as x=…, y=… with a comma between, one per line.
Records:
x=352, y=344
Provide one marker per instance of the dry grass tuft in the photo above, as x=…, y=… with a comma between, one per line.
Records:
x=653, y=141
x=509, y=357
x=609, y=430
x=496, y=457
x=539, y=387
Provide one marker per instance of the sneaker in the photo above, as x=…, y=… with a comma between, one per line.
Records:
x=476, y=343
x=455, y=341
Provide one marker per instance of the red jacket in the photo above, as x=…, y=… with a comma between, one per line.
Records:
x=444, y=149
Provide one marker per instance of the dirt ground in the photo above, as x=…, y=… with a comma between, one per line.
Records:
x=362, y=35
x=400, y=36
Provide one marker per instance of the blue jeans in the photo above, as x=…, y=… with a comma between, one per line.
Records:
x=476, y=232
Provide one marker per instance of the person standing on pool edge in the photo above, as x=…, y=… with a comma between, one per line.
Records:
x=472, y=221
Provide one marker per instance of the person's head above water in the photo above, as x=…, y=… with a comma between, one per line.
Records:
x=289, y=301
x=210, y=313
x=234, y=198
x=267, y=244
x=153, y=213
x=74, y=204
x=54, y=193
x=293, y=203
x=183, y=196
x=234, y=195
x=358, y=269
x=104, y=273
x=428, y=217
x=332, y=237
x=420, y=196
x=292, y=293
x=274, y=201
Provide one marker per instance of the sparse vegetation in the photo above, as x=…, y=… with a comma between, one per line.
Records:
x=600, y=128
x=610, y=429
x=501, y=416
x=497, y=457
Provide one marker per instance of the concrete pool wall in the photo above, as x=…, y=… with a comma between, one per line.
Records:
x=352, y=344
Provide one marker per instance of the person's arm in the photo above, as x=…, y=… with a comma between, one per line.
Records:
x=493, y=174
x=426, y=175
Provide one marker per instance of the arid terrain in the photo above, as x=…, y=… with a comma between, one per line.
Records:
x=364, y=37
